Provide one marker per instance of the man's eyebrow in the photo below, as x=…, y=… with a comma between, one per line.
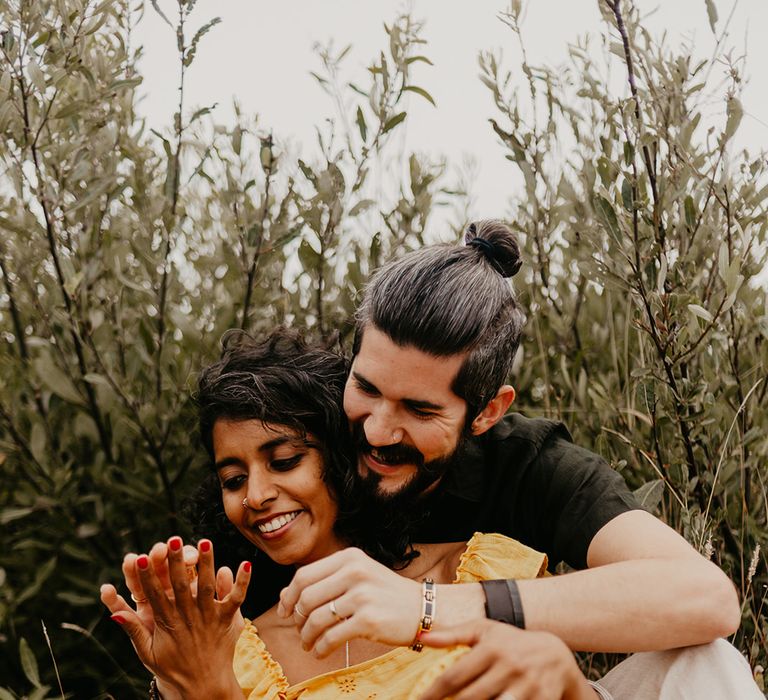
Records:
x=266, y=447
x=419, y=404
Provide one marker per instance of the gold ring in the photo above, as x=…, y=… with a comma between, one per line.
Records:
x=191, y=573
x=138, y=600
x=299, y=611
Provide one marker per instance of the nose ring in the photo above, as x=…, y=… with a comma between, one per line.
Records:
x=245, y=503
x=397, y=436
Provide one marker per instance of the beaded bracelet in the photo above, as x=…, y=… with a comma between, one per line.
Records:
x=428, y=607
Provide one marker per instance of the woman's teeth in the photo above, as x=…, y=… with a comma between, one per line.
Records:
x=278, y=522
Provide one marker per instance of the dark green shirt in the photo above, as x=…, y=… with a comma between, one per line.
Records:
x=525, y=478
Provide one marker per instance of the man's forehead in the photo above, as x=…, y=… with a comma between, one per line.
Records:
x=380, y=360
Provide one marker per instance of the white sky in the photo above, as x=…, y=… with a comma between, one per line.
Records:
x=262, y=53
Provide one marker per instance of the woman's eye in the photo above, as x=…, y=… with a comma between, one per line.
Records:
x=233, y=483
x=284, y=465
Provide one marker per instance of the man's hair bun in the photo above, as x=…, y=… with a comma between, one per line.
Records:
x=497, y=243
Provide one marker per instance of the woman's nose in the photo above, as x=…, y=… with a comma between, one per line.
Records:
x=261, y=490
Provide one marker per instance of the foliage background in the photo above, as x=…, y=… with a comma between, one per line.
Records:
x=125, y=253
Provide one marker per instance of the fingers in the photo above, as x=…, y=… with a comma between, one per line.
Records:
x=234, y=599
x=206, y=582
x=140, y=637
x=307, y=576
x=224, y=582
x=162, y=607
x=178, y=575
x=468, y=668
x=131, y=577
x=321, y=630
x=315, y=598
x=112, y=601
x=468, y=633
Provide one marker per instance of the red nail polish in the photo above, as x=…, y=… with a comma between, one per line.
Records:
x=205, y=546
x=247, y=567
x=119, y=620
x=143, y=561
x=175, y=544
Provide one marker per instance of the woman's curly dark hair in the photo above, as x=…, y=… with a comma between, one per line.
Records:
x=284, y=380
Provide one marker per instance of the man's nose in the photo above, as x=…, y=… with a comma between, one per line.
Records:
x=381, y=428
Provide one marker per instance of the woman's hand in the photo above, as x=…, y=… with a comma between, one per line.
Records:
x=158, y=555
x=507, y=662
x=191, y=644
x=369, y=601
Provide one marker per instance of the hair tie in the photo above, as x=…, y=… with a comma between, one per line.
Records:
x=489, y=251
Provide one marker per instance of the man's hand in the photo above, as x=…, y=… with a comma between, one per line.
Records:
x=369, y=600
x=506, y=662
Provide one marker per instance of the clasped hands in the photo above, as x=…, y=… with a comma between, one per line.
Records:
x=348, y=595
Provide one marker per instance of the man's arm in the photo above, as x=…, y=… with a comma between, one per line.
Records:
x=646, y=589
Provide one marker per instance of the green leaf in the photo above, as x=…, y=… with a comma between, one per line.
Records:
x=649, y=495
x=5, y=694
x=29, y=663
x=199, y=34
x=42, y=575
x=414, y=59
x=701, y=312
x=606, y=212
x=361, y=125
x=55, y=380
x=690, y=212
x=361, y=206
x=711, y=14
x=160, y=12
x=627, y=196
x=422, y=92
x=8, y=515
x=735, y=112
x=393, y=122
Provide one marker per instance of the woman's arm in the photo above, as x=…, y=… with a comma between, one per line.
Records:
x=191, y=646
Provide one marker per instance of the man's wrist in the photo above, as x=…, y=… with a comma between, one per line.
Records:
x=503, y=603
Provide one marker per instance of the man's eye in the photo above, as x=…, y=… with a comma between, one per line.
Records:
x=367, y=389
x=284, y=465
x=233, y=483
x=423, y=415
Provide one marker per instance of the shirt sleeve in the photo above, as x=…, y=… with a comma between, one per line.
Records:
x=568, y=494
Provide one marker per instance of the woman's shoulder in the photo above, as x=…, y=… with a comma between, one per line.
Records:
x=491, y=555
x=257, y=672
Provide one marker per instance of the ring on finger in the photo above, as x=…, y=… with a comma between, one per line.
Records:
x=138, y=600
x=191, y=572
x=334, y=611
x=299, y=611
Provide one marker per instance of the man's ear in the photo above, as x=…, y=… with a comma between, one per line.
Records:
x=494, y=410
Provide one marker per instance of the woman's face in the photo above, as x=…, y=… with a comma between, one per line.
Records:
x=290, y=512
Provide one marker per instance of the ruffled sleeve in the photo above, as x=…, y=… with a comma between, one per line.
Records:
x=258, y=674
x=493, y=556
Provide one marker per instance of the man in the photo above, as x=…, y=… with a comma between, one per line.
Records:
x=436, y=335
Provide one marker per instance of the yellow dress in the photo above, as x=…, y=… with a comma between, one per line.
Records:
x=400, y=673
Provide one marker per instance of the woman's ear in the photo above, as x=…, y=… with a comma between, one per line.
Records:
x=494, y=410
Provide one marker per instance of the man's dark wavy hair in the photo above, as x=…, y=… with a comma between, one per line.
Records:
x=284, y=380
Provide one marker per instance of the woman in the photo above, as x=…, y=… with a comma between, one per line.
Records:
x=270, y=419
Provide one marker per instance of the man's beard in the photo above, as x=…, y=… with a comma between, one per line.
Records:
x=427, y=475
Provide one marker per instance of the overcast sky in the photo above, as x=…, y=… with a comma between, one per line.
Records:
x=262, y=53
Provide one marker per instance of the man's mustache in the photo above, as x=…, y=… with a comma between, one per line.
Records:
x=391, y=454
